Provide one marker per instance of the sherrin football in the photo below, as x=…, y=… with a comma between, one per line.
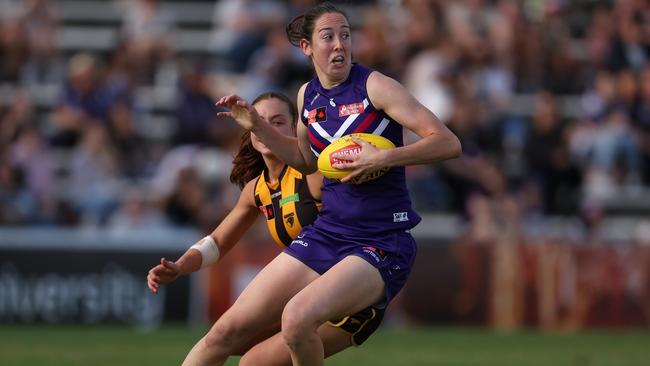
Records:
x=347, y=146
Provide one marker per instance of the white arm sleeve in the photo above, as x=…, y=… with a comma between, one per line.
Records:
x=209, y=250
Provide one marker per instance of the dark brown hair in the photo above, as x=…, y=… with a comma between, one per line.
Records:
x=302, y=26
x=248, y=163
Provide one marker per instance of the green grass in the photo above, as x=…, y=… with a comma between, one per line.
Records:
x=99, y=346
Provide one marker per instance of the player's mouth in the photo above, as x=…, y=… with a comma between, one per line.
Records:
x=338, y=60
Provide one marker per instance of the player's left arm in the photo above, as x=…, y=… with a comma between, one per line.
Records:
x=437, y=142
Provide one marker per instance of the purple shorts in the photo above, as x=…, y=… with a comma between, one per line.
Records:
x=391, y=253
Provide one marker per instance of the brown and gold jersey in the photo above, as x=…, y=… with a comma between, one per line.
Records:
x=287, y=205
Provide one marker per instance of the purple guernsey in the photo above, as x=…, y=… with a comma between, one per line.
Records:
x=375, y=206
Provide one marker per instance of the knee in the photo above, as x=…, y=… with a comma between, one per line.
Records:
x=223, y=335
x=297, y=323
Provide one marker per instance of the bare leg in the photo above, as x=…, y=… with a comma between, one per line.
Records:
x=350, y=286
x=258, y=307
x=275, y=351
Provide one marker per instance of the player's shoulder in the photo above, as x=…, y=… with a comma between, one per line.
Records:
x=249, y=190
x=378, y=79
x=383, y=89
x=301, y=95
x=302, y=89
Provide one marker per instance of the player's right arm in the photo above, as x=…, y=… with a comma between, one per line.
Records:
x=225, y=236
x=294, y=152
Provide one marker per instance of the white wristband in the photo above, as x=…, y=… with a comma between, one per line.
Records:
x=209, y=250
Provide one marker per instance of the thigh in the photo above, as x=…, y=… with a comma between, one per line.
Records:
x=348, y=287
x=260, y=304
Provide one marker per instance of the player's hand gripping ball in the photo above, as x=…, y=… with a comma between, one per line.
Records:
x=346, y=146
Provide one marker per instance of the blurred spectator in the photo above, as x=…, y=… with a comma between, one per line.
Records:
x=240, y=28
x=548, y=158
x=147, y=31
x=195, y=109
x=18, y=206
x=14, y=46
x=94, y=184
x=184, y=206
x=630, y=48
x=422, y=25
x=38, y=165
x=45, y=64
x=135, y=212
x=85, y=101
x=377, y=34
x=275, y=66
x=14, y=117
x=642, y=118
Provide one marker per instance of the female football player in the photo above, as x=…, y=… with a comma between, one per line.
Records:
x=289, y=201
x=359, y=251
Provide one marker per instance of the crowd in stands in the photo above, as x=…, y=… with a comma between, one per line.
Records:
x=550, y=99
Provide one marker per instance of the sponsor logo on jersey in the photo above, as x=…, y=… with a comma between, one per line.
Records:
x=276, y=194
x=293, y=198
x=317, y=115
x=400, y=216
x=348, y=109
x=267, y=211
x=289, y=219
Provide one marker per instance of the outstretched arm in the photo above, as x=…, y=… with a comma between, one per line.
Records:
x=293, y=151
x=225, y=236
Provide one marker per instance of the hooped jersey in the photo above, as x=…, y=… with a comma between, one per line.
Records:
x=374, y=206
x=287, y=205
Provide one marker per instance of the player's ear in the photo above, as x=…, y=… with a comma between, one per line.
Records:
x=305, y=46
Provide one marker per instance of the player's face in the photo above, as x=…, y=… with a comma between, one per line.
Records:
x=330, y=47
x=277, y=114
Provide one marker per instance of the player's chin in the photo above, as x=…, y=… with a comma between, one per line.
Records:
x=339, y=69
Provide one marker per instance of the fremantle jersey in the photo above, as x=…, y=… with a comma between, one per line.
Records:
x=287, y=205
x=374, y=206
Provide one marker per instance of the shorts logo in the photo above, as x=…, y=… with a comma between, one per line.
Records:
x=400, y=216
x=317, y=115
x=377, y=254
x=300, y=242
x=348, y=109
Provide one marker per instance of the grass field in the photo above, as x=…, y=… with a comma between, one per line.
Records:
x=118, y=346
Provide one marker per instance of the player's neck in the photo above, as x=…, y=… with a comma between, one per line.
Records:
x=274, y=167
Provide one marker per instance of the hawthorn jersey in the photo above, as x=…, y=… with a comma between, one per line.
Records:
x=374, y=206
x=287, y=205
